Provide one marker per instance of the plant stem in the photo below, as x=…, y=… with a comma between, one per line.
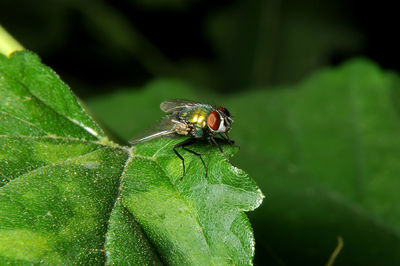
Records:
x=8, y=44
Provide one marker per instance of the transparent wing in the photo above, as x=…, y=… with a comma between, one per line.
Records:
x=164, y=128
x=174, y=105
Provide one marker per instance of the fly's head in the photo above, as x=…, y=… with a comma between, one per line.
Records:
x=219, y=120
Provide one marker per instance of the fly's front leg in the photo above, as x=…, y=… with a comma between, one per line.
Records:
x=212, y=140
x=225, y=136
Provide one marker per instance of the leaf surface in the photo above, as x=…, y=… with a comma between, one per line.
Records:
x=69, y=195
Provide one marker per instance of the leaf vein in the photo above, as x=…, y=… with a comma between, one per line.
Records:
x=69, y=139
x=51, y=165
x=117, y=198
x=73, y=121
x=24, y=121
x=187, y=206
x=19, y=203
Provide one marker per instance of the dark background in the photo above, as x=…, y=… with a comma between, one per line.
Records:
x=228, y=45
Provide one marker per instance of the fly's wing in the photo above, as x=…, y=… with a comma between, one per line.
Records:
x=164, y=128
x=175, y=105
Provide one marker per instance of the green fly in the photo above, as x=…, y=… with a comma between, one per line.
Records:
x=195, y=120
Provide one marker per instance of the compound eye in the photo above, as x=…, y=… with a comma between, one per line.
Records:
x=224, y=110
x=214, y=120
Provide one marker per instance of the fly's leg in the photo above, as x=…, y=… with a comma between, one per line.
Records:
x=183, y=144
x=198, y=155
x=180, y=157
x=212, y=140
x=225, y=136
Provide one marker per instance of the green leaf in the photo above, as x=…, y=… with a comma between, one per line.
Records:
x=192, y=224
x=71, y=196
x=325, y=151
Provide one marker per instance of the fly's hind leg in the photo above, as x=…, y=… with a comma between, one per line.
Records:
x=198, y=155
x=183, y=144
x=180, y=157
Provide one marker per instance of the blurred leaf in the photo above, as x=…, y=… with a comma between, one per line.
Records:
x=222, y=45
x=164, y=4
x=331, y=145
x=121, y=37
x=325, y=151
x=313, y=36
x=260, y=43
x=71, y=196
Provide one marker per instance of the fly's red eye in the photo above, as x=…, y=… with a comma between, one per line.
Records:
x=224, y=110
x=213, y=120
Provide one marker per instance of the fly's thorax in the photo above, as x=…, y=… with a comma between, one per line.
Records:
x=198, y=132
x=196, y=116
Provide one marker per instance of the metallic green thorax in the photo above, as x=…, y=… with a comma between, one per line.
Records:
x=197, y=118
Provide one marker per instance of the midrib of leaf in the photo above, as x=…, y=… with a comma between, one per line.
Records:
x=117, y=198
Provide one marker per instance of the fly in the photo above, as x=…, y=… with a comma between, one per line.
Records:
x=197, y=121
